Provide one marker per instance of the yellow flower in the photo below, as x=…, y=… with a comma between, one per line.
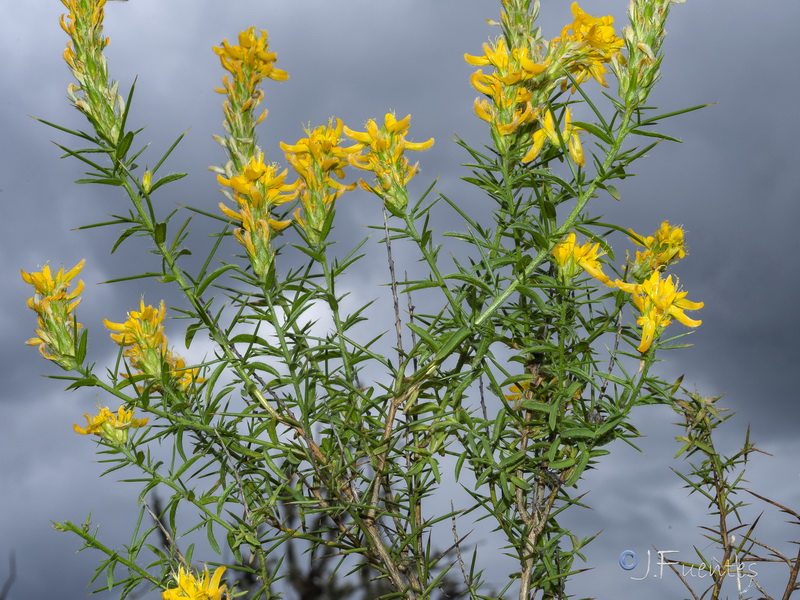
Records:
x=385, y=158
x=509, y=105
x=249, y=62
x=317, y=159
x=257, y=189
x=142, y=336
x=143, y=328
x=191, y=588
x=592, y=42
x=54, y=305
x=663, y=248
x=53, y=289
x=510, y=68
x=548, y=131
x=596, y=32
x=252, y=57
x=658, y=301
x=186, y=377
x=570, y=257
x=113, y=428
x=517, y=390
x=96, y=94
x=573, y=140
x=259, y=186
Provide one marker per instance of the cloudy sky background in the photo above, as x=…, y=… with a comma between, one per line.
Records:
x=730, y=184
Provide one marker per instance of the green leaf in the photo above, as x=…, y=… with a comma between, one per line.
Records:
x=577, y=432
x=211, y=539
x=511, y=461
x=563, y=463
x=160, y=233
x=551, y=420
x=654, y=134
x=169, y=150
x=124, y=145
x=595, y=130
x=583, y=461
x=166, y=180
x=248, y=338
x=420, y=285
x=471, y=280
x=424, y=335
x=537, y=406
x=110, y=573
x=201, y=287
x=520, y=483
x=185, y=466
x=115, y=181
x=613, y=192
x=653, y=120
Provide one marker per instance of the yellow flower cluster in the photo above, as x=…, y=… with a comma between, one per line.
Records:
x=95, y=95
x=658, y=299
x=142, y=335
x=54, y=304
x=663, y=248
x=571, y=257
x=509, y=105
x=249, y=62
x=593, y=44
x=317, y=158
x=191, y=587
x=109, y=426
x=257, y=187
x=527, y=71
x=257, y=190
x=548, y=131
x=385, y=157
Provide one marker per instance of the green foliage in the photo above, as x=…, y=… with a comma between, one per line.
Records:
x=517, y=375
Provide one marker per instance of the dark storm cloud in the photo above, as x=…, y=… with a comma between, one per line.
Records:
x=732, y=184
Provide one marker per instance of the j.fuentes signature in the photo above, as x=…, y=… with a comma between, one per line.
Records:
x=628, y=560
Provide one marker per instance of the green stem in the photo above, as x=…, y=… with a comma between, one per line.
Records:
x=430, y=259
x=460, y=335
x=90, y=540
x=333, y=304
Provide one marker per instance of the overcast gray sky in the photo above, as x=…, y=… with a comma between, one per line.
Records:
x=729, y=184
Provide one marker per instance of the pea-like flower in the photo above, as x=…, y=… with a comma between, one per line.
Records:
x=110, y=426
x=508, y=106
x=664, y=247
x=571, y=258
x=191, y=587
x=54, y=304
x=549, y=132
x=96, y=94
x=658, y=301
x=518, y=390
x=257, y=189
x=249, y=62
x=319, y=160
x=592, y=43
x=142, y=336
x=385, y=157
